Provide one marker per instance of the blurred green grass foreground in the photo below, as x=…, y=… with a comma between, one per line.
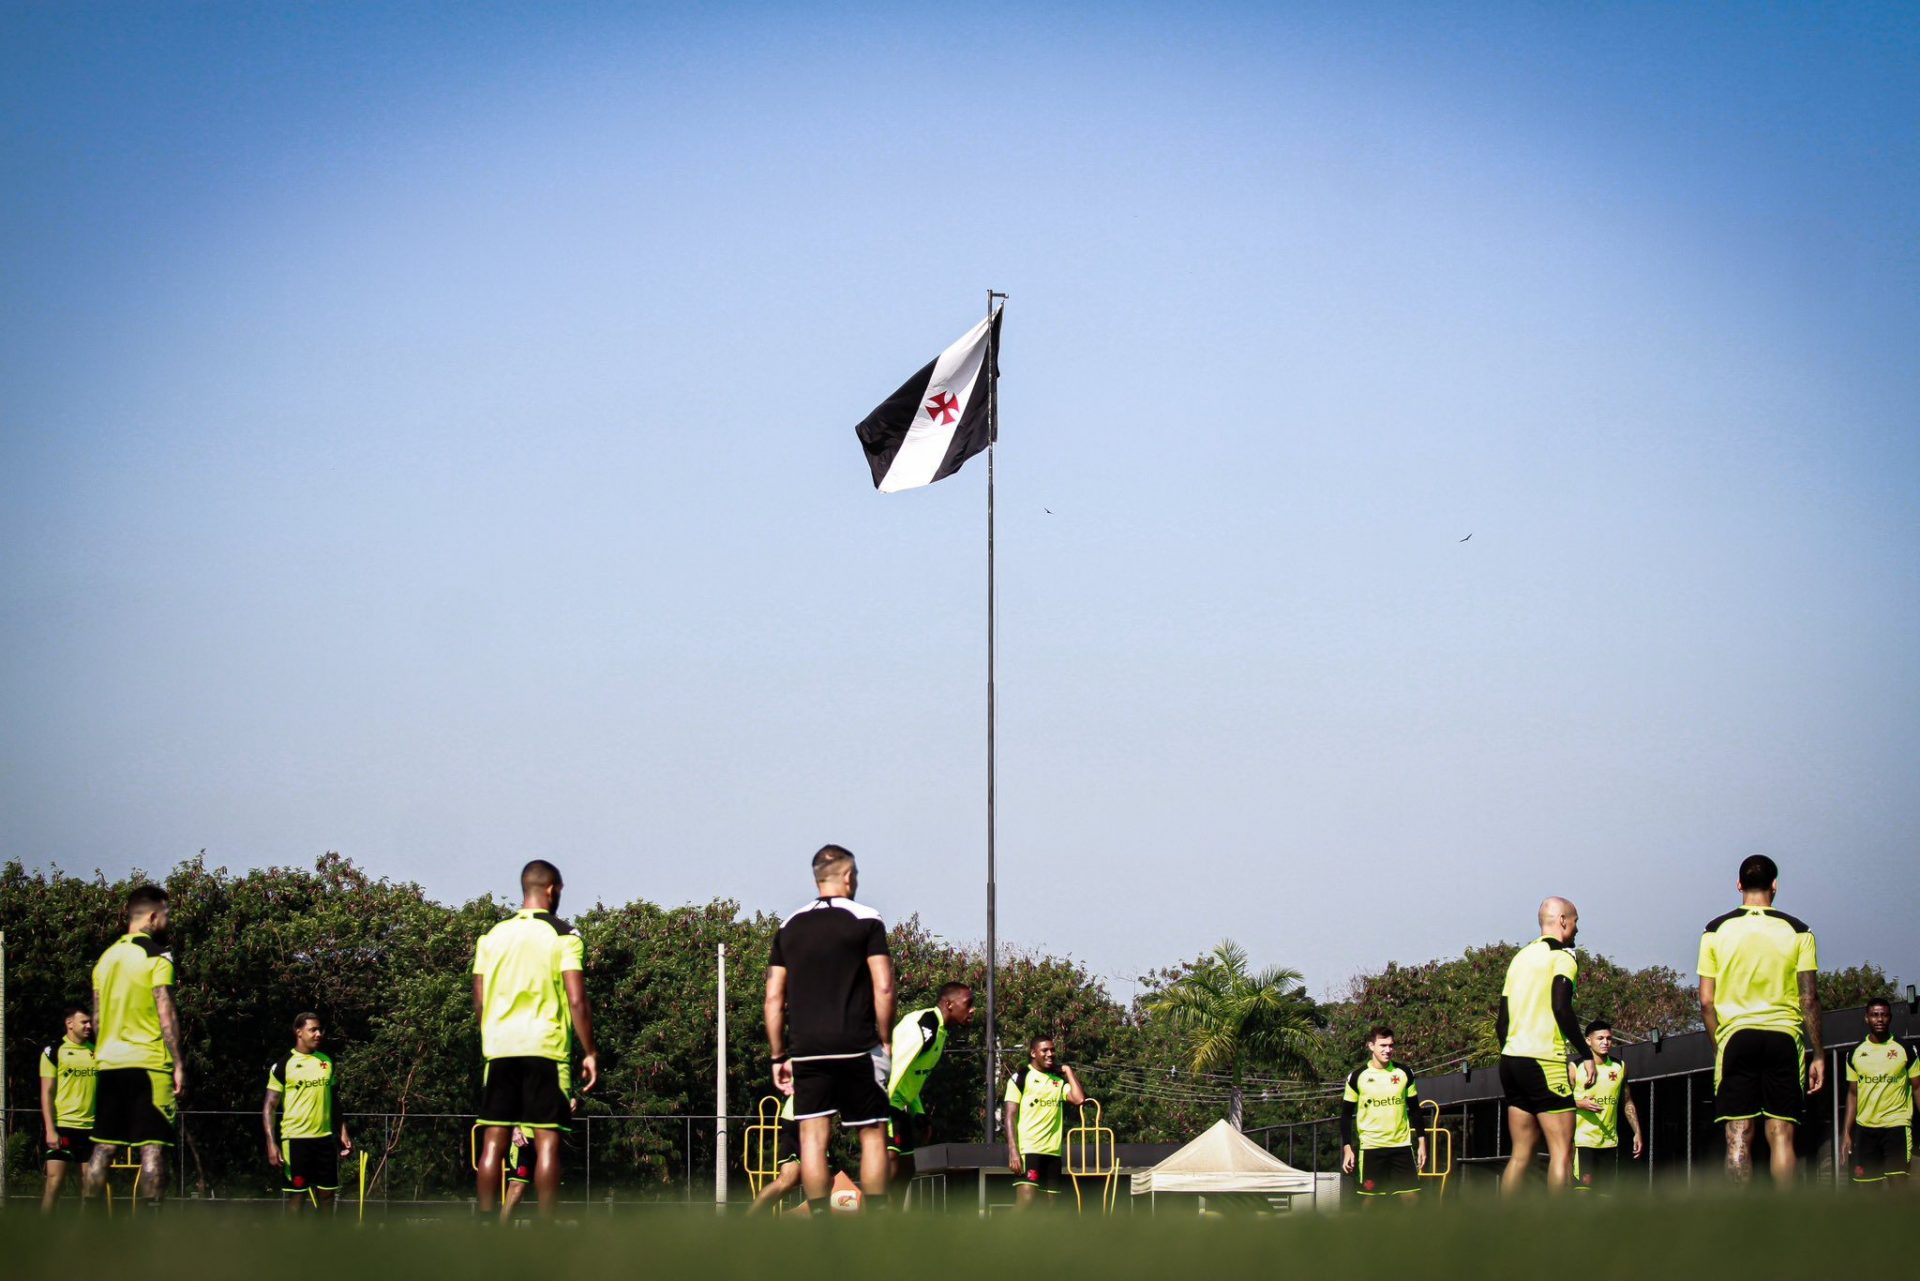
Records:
x=1755, y=1237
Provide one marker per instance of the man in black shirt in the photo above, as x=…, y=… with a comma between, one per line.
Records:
x=829, y=994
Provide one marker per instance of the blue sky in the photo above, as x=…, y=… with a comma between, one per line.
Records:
x=426, y=433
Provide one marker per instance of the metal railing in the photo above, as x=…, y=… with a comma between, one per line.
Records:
x=415, y=1159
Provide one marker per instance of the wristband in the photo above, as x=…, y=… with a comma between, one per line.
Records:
x=778, y=1059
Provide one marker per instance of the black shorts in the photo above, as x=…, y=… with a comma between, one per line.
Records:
x=1386, y=1172
x=529, y=1093
x=310, y=1165
x=74, y=1145
x=1879, y=1154
x=1760, y=1072
x=133, y=1107
x=855, y=1088
x=1539, y=1086
x=1041, y=1170
x=1596, y=1169
x=903, y=1129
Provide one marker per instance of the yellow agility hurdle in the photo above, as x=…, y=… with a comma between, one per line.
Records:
x=1439, y=1149
x=126, y=1159
x=1093, y=1154
x=760, y=1146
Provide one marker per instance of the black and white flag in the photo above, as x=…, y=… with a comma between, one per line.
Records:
x=938, y=419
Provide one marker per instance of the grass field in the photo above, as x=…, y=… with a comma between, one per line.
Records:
x=1753, y=1237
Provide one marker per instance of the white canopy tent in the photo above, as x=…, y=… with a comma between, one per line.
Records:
x=1223, y=1160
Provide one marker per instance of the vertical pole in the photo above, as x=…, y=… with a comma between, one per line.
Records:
x=3, y=1070
x=1690, y=1092
x=993, y=432
x=720, y=1093
x=1653, y=1113
x=1835, y=1073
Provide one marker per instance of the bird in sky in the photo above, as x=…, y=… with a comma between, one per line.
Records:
x=1465, y=539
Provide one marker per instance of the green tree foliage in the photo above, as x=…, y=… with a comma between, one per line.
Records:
x=1233, y=1018
x=1443, y=1011
x=1854, y=986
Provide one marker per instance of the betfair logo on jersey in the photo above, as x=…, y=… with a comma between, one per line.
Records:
x=297, y=1086
x=1368, y=1101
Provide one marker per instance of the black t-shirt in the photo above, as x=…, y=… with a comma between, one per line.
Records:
x=824, y=947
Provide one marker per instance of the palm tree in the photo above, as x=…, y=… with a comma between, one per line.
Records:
x=1232, y=1018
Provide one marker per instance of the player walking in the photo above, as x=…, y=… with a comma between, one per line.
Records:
x=919, y=1039
x=1538, y=1035
x=829, y=993
x=1876, y=1138
x=303, y=1143
x=1036, y=1103
x=66, y=1101
x=530, y=993
x=1596, y=1120
x=1380, y=1123
x=142, y=1074
x=1757, y=996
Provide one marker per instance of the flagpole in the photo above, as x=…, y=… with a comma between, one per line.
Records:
x=993, y=432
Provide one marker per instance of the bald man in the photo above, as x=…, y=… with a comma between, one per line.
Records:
x=1539, y=1035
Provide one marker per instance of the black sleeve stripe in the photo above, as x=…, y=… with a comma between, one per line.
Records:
x=1722, y=919
x=1353, y=1080
x=150, y=947
x=47, y=1053
x=929, y=1027
x=1799, y=926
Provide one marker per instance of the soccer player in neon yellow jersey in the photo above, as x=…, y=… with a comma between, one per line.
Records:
x=1596, y=1121
x=141, y=1071
x=919, y=1039
x=1758, y=997
x=303, y=1144
x=1876, y=1139
x=1379, y=1125
x=66, y=1100
x=530, y=994
x=1538, y=1035
x=1036, y=1103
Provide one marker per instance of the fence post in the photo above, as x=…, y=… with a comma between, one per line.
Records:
x=589, y=1130
x=1836, y=1072
x=720, y=1093
x=4, y=1118
x=1653, y=1112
